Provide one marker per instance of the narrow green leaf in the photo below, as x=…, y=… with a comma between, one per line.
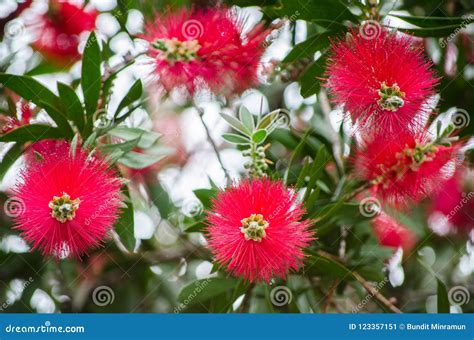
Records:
x=205, y=196
x=135, y=160
x=125, y=147
x=435, y=32
x=433, y=22
x=310, y=84
x=125, y=223
x=32, y=133
x=29, y=89
x=268, y=119
x=205, y=289
x=91, y=78
x=60, y=119
x=236, y=124
x=259, y=136
x=246, y=118
x=72, y=105
x=147, y=138
x=309, y=47
x=443, y=301
x=235, y=139
x=9, y=158
x=133, y=95
x=327, y=13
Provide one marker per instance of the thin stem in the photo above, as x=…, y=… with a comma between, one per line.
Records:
x=213, y=144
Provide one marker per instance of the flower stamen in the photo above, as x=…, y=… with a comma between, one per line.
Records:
x=174, y=50
x=253, y=227
x=63, y=208
x=391, y=97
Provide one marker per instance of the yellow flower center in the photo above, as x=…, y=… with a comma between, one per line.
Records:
x=391, y=97
x=253, y=227
x=63, y=208
x=174, y=50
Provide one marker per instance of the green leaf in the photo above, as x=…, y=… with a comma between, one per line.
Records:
x=159, y=197
x=259, y=136
x=125, y=223
x=318, y=264
x=29, y=89
x=123, y=147
x=235, y=139
x=32, y=133
x=196, y=227
x=435, y=32
x=133, y=94
x=205, y=196
x=91, y=78
x=309, y=47
x=433, y=22
x=236, y=124
x=268, y=119
x=205, y=289
x=135, y=160
x=71, y=105
x=327, y=13
x=246, y=118
x=147, y=138
x=443, y=301
x=60, y=119
x=9, y=158
x=309, y=83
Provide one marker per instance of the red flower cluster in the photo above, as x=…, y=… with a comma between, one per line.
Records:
x=255, y=230
x=391, y=233
x=405, y=167
x=68, y=201
x=382, y=82
x=60, y=28
x=205, y=49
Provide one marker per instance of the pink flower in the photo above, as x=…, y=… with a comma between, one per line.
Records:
x=60, y=27
x=196, y=49
x=382, y=81
x=455, y=203
x=69, y=202
x=405, y=167
x=255, y=230
x=391, y=233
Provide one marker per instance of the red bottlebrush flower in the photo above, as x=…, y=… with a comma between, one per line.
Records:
x=45, y=148
x=455, y=204
x=406, y=167
x=391, y=233
x=199, y=49
x=382, y=80
x=68, y=202
x=60, y=27
x=255, y=230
